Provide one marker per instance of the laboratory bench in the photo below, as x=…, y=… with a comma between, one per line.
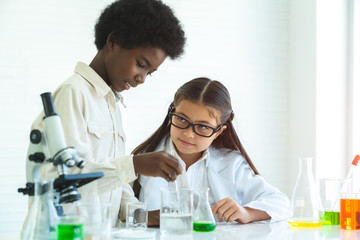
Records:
x=252, y=231
x=263, y=230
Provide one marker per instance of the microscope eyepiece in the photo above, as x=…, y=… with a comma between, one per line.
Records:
x=48, y=104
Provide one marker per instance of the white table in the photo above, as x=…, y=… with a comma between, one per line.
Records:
x=266, y=230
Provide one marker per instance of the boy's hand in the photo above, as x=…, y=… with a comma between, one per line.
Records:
x=157, y=164
x=154, y=218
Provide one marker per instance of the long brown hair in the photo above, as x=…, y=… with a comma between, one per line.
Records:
x=207, y=92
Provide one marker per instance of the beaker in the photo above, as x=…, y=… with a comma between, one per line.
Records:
x=107, y=211
x=136, y=215
x=42, y=220
x=91, y=212
x=70, y=227
x=350, y=211
x=176, y=211
x=203, y=218
x=350, y=198
x=330, y=189
x=306, y=208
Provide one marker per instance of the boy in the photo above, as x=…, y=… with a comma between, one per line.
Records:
x=133, y=38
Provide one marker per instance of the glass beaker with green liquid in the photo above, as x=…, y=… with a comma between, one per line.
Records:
x=203, y=218
x=329, y=189
x=70, y=228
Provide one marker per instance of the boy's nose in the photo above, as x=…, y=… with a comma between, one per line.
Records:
x=140, y=79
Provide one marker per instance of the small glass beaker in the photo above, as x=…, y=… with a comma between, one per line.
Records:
x=91, y=212
x=350, y=211
x=107, y=210
x=329, y=189
x=306, y=208
x=203, y=218
x=176, y=211
x=136, y=215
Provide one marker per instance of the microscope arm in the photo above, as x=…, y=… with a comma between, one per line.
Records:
x=49, y=146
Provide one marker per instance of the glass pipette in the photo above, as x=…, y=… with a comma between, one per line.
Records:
x=354, y=163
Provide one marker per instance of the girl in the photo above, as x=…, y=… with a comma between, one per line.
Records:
x=198, y=130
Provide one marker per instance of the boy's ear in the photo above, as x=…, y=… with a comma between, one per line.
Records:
x=110, y=41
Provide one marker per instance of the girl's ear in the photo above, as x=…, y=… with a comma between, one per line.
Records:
x=223, y=128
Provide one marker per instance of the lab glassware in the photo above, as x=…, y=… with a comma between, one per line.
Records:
x=350, y=199
x=70, y=227
x=176, y=211
x=350, y=211
x=42, y=220
x=329, y=189
x=136, y=215
x=107, y=211
x=90, y=210
x=306, y=208
x=203, y=218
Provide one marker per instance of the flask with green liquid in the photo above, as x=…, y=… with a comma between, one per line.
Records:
x=203, y=218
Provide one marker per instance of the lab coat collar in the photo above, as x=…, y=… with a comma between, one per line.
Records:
x=219, y=160
x=218, y=165
x=170, y=147
x=119, y=98
x=93, y=78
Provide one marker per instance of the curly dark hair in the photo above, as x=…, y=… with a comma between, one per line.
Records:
x=141, y=23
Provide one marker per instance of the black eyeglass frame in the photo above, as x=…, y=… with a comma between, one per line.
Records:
x=215, y=130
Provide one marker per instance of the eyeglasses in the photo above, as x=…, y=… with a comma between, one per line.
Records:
x=199, y=129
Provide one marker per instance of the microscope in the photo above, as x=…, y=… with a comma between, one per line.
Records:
x=48, y=145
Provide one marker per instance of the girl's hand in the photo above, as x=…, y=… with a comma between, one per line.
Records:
x=230, y=211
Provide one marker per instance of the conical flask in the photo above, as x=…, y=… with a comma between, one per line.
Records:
x=306, y=208
x=42, y=220
x=203, y=218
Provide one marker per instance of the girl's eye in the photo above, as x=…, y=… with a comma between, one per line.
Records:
x=149, y=74
x=181, y=119
x=138, y=63
x=203, y=127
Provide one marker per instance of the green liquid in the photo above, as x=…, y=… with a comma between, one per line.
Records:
x=70, y=232
x=204, y=227
x=332, y=218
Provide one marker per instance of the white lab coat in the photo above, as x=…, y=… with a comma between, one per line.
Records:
x=229, y=175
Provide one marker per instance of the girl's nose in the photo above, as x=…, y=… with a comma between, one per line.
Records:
x=189, y=132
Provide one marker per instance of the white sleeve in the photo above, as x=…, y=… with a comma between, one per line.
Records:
x=256, y=193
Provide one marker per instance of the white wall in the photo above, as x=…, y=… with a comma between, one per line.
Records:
x=333, y=90
x=321, y=89
x=302, y=76
x=243, y=43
